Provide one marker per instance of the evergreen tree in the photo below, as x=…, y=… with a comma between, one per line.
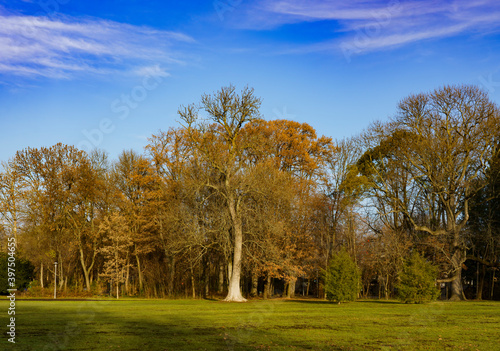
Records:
x=342, y=279
x=418, y=281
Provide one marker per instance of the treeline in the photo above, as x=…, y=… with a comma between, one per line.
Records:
x=229, y=204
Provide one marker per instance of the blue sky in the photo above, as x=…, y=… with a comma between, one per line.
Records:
x=109, y=74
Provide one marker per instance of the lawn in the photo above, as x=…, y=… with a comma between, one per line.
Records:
x=255, y=325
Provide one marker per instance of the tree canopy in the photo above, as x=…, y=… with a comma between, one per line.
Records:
x=230, y=204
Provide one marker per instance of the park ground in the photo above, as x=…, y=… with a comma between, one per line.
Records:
x=282, y=324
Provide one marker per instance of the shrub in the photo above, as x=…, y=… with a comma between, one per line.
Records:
x=23, y=273
x=418, y=281
x=342, y=279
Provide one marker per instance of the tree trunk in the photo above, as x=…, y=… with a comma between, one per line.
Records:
x=317, y=279
x=379, y=288
x=234, y=290
x=229, y=272
x=267, y=287
x=127, y=277
x=480, y=285
x=221, y=279
x=457, y=292
x=386, y=287
x=85, y=270
x=170, y=286
x=170, y=262
x=255, y=284
x=492, y=292
x=207, y=271
x=41, y=275
x=192, y=282
x=139, y=271
x=291, y=287
x=61, y=274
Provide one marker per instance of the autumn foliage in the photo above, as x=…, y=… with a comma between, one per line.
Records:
x=232, y=205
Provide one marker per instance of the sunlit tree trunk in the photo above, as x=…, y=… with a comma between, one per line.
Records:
x=234, y=290
x=139, y=271
x=41, y=275
x=457, y=260
x=193, y=287
x=85, y=269
x=61, y=273
x=127, y=277
x=291, y=287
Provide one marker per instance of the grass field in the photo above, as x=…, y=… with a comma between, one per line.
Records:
x=255, y=325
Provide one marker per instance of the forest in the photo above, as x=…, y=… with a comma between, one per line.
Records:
x=230, y=205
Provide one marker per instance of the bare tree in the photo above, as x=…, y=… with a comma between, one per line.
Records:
x=221, y=148
x=116, y=249
x=442, y=141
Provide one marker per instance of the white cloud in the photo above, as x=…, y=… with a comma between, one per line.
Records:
x=66, y=47
x=365, y=26
x=152, y=71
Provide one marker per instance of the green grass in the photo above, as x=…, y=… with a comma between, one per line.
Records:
x=255, y=325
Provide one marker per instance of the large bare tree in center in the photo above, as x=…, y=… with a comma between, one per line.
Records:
x=217, y=138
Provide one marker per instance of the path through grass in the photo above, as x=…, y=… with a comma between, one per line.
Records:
x=255, y=325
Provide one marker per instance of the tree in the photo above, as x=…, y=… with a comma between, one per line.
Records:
x=391, y=194
x=439, y=142
x=219, y=144
x=24, y=270
x=292, y=146
x=181, y=202
x=10, y=198
x=418, y=281
x=343, y=191
x=115, y=249
x=87, y=203
x=342, y=279
x=295, y=160
x=50, y=178
x=136, y=182
x=483, y=229
x=452, y=132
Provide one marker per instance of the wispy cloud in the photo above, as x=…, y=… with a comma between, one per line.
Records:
x=361, y=26
x=67, y=47
x=152, y=71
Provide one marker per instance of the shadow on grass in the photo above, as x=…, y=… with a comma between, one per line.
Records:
x=377, y=301
x=325, y=302
x=315, y=302
x=153, y=326
x=211, y=299
x=160, y=325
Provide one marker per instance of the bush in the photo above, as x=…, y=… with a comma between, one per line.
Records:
x=23, y=273
x=342, y=279
x=418, y=281
x=36, y=291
